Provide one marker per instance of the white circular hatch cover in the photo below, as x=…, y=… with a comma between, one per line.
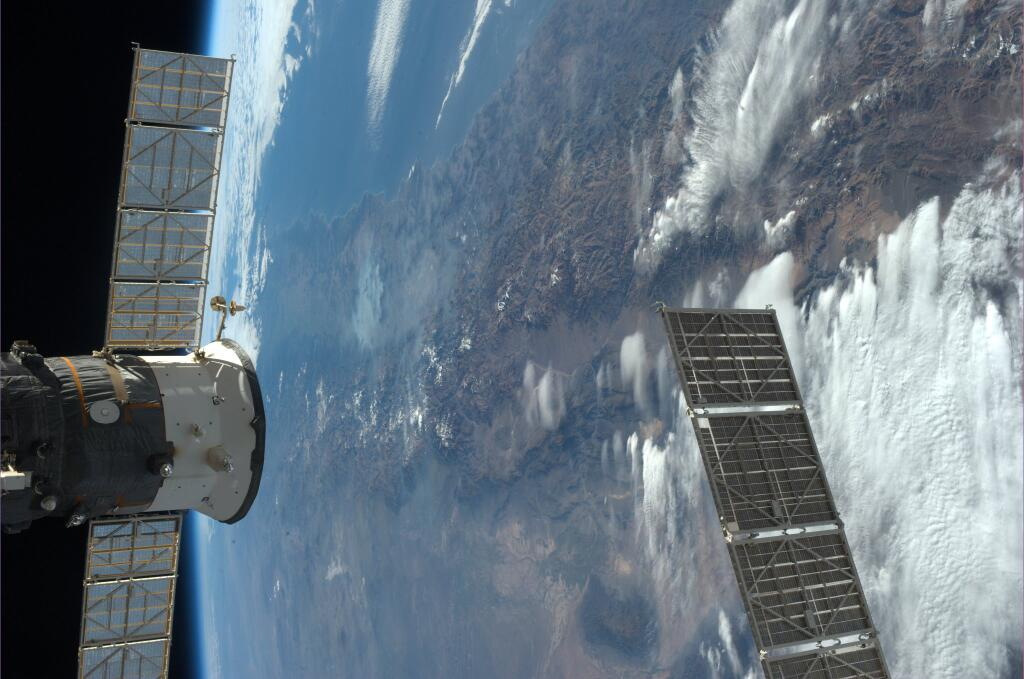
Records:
x=104, y=412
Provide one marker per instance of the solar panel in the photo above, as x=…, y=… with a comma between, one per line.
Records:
x=765, y=470
x=128, y=604
x=136, y=608
x=857, y=661
x=804, y=600
x=180, y=89
x=132, y=660
x=731, y=357
x=119, y=547
x=155, y=315
x=162, y=245
x=167, y=199
x=800, y=588
x=170, y=168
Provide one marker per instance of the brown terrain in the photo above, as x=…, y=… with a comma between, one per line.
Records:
x=518, y=251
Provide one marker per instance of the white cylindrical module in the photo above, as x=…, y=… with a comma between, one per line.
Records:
x=213, y=416
x=85, y=436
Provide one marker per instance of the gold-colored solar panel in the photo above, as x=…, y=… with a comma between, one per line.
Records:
x=167, y=199
x=170, y=88
x=131, y=571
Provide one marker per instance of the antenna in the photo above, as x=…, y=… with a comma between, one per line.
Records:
x=803, y=597
x=219, y=304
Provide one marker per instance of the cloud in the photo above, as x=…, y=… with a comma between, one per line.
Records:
x=543, y=399
x=324, y=406
x=675, y=92
x=777, y=234
x=943, y=22
x=912, y=379
x=773, y=285
x=725, y=634
x=678, y=533
x=713, y=656
x=384, y=53
x=258, y=33
x=483, y=8
x=762, y=64
x=366, y=316
x=334, y=569
x=634, y=367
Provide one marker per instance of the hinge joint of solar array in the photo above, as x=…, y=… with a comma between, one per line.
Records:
x=734, y=535
x=744, y=409
x=831, y=644
x=156, y=575
x=120, y=642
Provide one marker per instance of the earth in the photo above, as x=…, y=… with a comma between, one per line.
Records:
x=451, y=221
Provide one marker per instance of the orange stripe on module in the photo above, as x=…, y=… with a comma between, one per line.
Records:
x=81, y=392
x=145, y=405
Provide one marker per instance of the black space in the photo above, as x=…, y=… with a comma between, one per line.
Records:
x=64, y=77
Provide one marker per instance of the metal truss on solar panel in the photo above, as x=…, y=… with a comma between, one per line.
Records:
x=804, y=600
x=158, y=245
x=152, y=314
x=731, y=358
x=128, y=605
x=170, y=88
x=167, y=199
x=166, y=168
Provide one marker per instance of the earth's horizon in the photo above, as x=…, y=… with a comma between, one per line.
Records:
x=451, y=223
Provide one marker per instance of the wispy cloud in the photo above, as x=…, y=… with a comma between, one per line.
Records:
x=384, y=53
x=773, y=285
x=544, y=397
x=677, y=531
x=334, y=569
x=725, y=634
x=633, y=364
x=777, y=233
x=366, y=316
x=258, y=33
x=943, y=21
x=483, y=8
x=761, y=65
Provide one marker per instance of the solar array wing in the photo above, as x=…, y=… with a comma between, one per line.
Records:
x=154, y=315
x=168, y=168
x=796, y=576
x=161, y=245
x=731, y=358
x=131, y=571
x=170, y=88
x=167, y=199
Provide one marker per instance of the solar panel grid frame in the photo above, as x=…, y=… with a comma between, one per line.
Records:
x=128, y=603
x=161, y=245
x=138, y=660
x=121, y=610
x=170, y=168
x=730, y=357
x=799, y=588
x=793, y=605
x=147, y=314
x=174, y=88
x=765, y=470
x=177, y=112
x=852, y=663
